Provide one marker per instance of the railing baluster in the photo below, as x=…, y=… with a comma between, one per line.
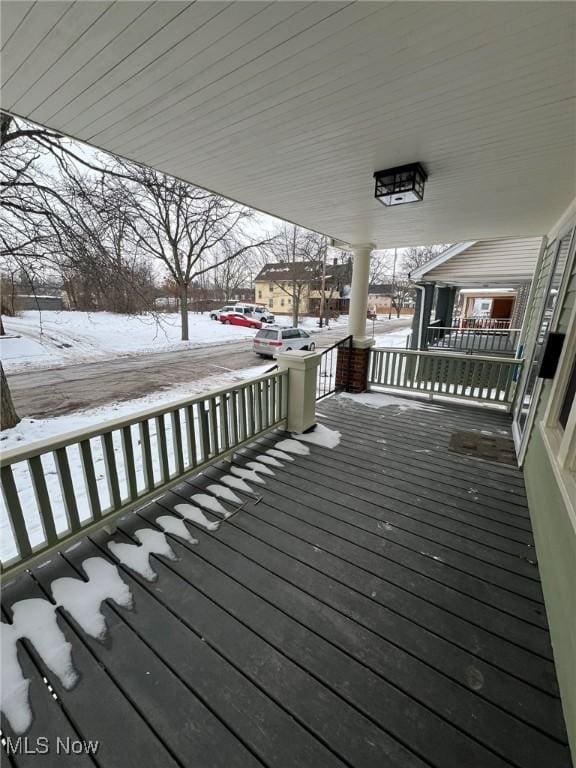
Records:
x=128, y=454
x=224, y=443
x=42, y=498
x=234, y=429
x=191, y=435
x=15, y=512
x=213, y=422
x=204, y=425
x=67, y=488
x=162, y=448
x=111, y=470
x=177, y=441
x=147, y=455
x=90, y=479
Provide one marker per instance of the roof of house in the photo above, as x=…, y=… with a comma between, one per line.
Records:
x=504, y=261
x=283, y=271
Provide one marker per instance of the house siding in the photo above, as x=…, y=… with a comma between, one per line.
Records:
x=514, y=260
x=554, y=527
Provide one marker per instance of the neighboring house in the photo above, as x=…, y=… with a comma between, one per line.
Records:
x=381, y=298
x=277, y=284
x=477, y=281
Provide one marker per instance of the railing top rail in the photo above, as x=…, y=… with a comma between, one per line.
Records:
x=71, y=438
x=475, y=330
x=449, y=355
x=337, y=344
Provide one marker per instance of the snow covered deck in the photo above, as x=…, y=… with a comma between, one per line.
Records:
x=374, y=603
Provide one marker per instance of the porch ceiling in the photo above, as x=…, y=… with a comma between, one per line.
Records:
x=290, y=107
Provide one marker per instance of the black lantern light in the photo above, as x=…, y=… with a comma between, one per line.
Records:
x=404, y=184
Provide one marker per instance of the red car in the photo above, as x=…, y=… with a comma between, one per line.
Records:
x=231, y=318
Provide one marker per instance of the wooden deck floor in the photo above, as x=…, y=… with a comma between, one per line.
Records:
x=380, y=606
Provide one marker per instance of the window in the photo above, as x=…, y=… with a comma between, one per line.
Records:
x=541, y=322
x=558, y=427
x=281, y=302
x=270, y=303
x=291, y=333
x=259, y=294
x=271, y=287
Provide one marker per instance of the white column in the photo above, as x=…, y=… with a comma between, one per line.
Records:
x=359, y=290
x=302, y=370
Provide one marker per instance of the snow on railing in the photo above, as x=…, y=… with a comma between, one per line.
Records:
x=55, y=491
x=472, y=377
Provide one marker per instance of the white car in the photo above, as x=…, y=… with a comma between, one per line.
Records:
x=237, y=309
x=270, y=341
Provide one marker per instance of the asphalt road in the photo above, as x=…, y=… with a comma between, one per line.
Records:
x=55, y=391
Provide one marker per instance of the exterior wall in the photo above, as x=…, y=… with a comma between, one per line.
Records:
x=512, y=260
x=553, y=520
x=277, y=300
x=555, y=539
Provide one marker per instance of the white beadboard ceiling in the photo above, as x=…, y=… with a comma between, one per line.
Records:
x=291, y=106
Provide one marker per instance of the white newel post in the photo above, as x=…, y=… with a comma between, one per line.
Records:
x=359, y=290
x=302, y=370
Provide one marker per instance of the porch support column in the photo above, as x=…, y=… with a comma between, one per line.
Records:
x=422, y=312
x=359, y=290
x=302, y=370
x=445, y=304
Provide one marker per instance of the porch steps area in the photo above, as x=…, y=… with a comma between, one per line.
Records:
x=374, y=604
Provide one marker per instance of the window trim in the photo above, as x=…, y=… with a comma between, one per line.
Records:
x=522, y=439
x=560, y=443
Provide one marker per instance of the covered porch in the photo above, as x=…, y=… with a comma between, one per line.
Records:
x=372, y=603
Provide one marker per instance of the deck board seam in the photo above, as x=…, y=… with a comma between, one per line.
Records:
x=453, y=547
x=365, y=664
x=245, y=623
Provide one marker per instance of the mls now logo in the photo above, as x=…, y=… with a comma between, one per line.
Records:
x=42, y=746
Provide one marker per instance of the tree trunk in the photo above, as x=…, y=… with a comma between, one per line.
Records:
x=8, y=416
x=184, y=312
x=2, y=331
x=295, y=310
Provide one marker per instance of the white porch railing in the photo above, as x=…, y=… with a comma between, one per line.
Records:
x=55, y=491
x=470, y=377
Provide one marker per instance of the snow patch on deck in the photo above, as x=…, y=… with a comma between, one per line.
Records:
x=195, y=515
x=137, y=556
x=322, y=436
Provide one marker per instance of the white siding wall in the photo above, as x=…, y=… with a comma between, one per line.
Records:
x=510, y=260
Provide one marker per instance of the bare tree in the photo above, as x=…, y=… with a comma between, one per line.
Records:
x=303, y=251
x=182, y=227
x=418, y=255
x=401, y=292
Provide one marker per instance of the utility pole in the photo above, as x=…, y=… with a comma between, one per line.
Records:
x=393, y=282
x=323, y=284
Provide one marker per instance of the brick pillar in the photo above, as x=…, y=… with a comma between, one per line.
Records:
x=352, y=367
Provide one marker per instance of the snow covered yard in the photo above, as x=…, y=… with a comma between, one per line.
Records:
x=49, y=339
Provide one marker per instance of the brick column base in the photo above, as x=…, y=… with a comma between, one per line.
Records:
x=352, y=369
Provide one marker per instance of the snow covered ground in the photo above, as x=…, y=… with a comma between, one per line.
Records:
x=48, y=339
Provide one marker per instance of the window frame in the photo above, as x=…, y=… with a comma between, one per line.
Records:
x=522, y=438
x=560, y=443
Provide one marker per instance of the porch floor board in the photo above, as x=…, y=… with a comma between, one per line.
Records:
x=379, y=606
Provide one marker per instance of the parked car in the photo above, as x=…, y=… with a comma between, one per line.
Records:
x=238, y=309
x=371, y=314
x=269, y=341
x=264, y=315
x=235, y=318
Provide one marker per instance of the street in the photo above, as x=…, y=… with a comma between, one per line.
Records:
x=55, y=391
